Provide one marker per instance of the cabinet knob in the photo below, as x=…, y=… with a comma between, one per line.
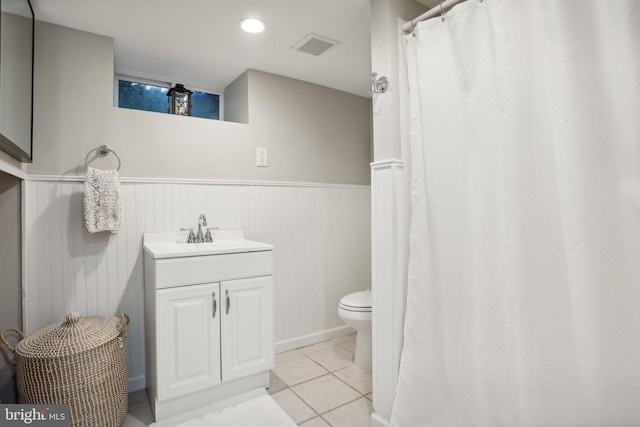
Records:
x=228, y=301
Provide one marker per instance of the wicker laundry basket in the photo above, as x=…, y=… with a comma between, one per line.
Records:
x=81, y=362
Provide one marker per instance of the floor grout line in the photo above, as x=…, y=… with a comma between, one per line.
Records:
x=328, y=372
x=347, y=384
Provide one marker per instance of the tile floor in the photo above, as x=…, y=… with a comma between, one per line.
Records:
x=316, y=385
x=139, y=414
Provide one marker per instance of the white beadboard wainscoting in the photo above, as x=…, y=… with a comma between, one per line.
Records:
x=321, y=233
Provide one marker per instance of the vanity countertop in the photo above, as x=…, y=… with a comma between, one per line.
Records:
x=174, y=244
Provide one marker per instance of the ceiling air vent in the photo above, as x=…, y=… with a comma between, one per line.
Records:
x=315, y=44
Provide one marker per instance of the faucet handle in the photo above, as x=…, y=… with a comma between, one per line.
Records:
x=208, y=237
x=192, y=237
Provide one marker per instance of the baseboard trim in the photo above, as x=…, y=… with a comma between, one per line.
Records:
x=217, y=406
x=137, y=383
x=314, y=338
x=378, y=421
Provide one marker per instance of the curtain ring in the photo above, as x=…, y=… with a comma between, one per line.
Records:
x=442, y=14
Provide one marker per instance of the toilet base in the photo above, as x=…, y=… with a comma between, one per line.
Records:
x=362, y=354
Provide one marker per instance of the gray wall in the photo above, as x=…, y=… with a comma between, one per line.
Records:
x=313, y=134
x=316, y=133
x=10, y=279
x=236, y=100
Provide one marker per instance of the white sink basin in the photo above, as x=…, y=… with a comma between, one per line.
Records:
x=174, y=244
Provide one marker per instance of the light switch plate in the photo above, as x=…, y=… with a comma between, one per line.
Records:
x=261, y=157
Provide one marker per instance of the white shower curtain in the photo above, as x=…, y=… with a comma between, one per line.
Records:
x=523, y=303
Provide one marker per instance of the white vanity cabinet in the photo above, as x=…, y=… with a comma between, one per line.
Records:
x=208, y=321
x=247, y=327
x=189, y=340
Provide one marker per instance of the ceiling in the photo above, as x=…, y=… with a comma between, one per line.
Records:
x=200, y=44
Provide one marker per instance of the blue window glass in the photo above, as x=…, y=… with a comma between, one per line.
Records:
x=148, y=97
x=140, y=96
x=205, y=105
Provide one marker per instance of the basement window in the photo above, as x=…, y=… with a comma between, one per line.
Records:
x=149, y=95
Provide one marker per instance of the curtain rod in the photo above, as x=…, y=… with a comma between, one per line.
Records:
x=408, y=27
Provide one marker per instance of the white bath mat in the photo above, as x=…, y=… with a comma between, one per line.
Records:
x=261, y=411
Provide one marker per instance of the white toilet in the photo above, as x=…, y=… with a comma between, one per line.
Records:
x=355, y=310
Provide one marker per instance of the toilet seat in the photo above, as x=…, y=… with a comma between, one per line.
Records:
x=357, y=302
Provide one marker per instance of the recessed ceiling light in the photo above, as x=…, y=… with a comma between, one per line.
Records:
x=251, y=25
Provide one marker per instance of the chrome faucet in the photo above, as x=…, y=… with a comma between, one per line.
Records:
x=199, y=237
x=202, y=221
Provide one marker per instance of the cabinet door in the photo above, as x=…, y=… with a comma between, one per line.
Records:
x=247, y=327
x=188, y=339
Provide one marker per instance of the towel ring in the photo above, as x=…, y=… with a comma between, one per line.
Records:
x=102, y=150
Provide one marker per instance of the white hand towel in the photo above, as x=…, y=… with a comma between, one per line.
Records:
x=102, y=201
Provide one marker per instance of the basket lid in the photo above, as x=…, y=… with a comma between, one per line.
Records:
x=75, y=335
